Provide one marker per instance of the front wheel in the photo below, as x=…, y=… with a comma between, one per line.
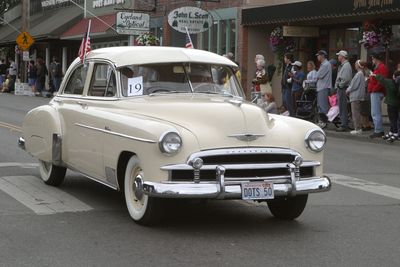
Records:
x=287, y=208
x=51, y=174
x=143, y=209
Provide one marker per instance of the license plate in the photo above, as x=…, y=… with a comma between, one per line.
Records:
x=257, y=190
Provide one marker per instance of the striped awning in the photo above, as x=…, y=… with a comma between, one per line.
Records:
x=316, y=10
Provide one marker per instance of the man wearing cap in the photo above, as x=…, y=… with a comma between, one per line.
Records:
x=343, y=80
x=324, y=85
x=298, y=77
x=287, y=83
x=377, y=92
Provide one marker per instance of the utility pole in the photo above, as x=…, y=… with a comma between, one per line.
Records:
x=24, y=28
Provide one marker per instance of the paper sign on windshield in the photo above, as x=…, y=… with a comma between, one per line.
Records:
x=135, y=86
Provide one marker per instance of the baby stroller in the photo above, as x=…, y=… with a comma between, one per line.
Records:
x=307, y=105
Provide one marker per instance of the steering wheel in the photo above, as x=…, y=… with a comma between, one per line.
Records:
x=152, y=90
x=207, y=87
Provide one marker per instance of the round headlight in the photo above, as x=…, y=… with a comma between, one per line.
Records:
x=315, y=140
x=170, y=143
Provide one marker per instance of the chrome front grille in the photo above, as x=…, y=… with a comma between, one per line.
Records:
x=252, y=164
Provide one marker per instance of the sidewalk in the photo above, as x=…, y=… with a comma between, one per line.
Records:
x=330, y=131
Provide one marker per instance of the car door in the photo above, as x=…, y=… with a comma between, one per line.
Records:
x=82, y=127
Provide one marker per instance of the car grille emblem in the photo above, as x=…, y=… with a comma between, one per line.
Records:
x=246, y=136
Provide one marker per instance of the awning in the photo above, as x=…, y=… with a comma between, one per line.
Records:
x=8, y=29
x=56, y=23
x=318, y=10
x=100, y=26
x=49, y=24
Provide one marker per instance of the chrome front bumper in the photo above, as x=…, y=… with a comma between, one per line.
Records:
x=221, y=190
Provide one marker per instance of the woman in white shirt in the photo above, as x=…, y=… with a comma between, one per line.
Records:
x=311, y=75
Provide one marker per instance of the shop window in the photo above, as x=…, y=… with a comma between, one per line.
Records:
x=220, y=38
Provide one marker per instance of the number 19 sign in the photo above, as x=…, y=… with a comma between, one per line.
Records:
x=135, y=86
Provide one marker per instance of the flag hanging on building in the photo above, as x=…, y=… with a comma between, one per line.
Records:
x=189, y=43
x=85, y=45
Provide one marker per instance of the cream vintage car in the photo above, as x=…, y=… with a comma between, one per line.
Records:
x=159, y=122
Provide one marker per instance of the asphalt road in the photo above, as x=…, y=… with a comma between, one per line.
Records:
x=357, y=223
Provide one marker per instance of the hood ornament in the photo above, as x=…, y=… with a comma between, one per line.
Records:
x=246, y=136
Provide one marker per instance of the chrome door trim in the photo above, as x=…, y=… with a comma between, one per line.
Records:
x=107, y=131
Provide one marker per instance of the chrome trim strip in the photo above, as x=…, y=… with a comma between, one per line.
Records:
x=239, y=166
x=257, y=178
x=245, y=150
x=214, y=189
x=246, y=136
x=116, y=134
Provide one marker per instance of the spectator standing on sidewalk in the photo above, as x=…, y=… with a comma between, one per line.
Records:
x=377, y=91
x=343, y=80
x=32, y=75
x=392, y=100
x=356, y=92
x=12, y=71
x=298, y=77
x=3, y=71
x=287, y=83
x=41, y=72
x=55, y=74
x=324, y=85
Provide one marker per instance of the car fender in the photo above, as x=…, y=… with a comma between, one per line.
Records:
x=41, y=127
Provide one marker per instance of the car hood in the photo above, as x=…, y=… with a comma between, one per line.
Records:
x=214, y=120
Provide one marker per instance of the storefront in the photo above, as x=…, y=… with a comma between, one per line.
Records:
x=330, y=25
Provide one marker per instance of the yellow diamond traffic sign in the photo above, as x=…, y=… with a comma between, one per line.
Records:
x=24, y=40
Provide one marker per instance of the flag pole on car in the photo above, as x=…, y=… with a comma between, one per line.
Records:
x=189, y=43
x=85, y=45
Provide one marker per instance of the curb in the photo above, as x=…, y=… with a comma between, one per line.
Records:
x=364, y=137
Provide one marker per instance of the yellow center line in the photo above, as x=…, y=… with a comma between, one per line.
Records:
x=10, y=127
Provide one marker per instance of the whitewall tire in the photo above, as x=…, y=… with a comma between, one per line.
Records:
x=143, y=209
x=51, y=174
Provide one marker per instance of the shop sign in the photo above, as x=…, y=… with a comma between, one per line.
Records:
x=196, y=20
x=298, y=31
x=50, y=3
x=103, y=3
x=371, y=4
x=132, y=23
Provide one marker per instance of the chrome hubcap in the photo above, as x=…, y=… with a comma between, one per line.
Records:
x=137, y=186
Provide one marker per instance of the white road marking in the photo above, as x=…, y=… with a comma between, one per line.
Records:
x=18, y=164
x=360, y=184
x=39, y=197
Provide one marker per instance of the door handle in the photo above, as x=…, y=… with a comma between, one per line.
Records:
x=59, y=101
x=82, y=104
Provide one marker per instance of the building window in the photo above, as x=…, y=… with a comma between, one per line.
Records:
x=220, y=38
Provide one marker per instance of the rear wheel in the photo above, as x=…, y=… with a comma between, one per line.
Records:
x=51, y=174
x=287, y=208
x=143, y=209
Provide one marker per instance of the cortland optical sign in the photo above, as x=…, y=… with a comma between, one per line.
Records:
x=132, y=23
x=196, y=20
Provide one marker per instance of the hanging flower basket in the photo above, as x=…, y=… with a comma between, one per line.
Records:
x=281, y=45
x=147, y=39
x=376, y=34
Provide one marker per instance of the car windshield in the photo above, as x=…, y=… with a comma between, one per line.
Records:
x=151, y=79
